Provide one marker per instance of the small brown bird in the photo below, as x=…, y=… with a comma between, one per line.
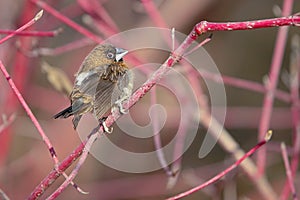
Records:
x=102, y=82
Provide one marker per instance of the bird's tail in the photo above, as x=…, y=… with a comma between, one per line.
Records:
x=65, y=113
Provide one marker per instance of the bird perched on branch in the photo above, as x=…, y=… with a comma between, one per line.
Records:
x=102, y=82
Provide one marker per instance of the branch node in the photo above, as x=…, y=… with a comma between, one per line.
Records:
x=200, y=28
x=176, y=57
x=293, y=16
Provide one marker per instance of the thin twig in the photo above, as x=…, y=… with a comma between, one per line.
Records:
x=226, y=171
x=7, y=122
x=271, y=84
x=140, y=92
x=60, y=50
x=33, y=33
x=288, y=171
x=54, y=174
x=204, y=26
x=67, y=21
x=157, y=140
x=3, y=196
x=242, y=84
x=20, y=97
x=28, y=24
x=75, y=171
x=97, y=11
x=294, y=89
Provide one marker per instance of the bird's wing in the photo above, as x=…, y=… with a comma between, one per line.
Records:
x=84, y=91
x=103, y=97
x=86, y=82
x=108, y=93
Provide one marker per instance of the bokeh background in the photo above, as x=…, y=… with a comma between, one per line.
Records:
x=25, y=160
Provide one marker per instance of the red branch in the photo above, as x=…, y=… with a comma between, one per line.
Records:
x=20, y=70
x=87, y=147
x=33, y=33
x=29, y=112
x=294, y=93
x=290, y=177
x=205, y=26
x=30, y=23
x=18, y=94
x=226, y=171
x=244, y=84
x=67, y=21
x=7, y=122
x=172, y=59
x=54, y=174
x=272, y=83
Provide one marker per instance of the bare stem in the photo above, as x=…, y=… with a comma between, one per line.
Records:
x=288, y=171
x=226, y=171
x=28, y=24
x=140, y=92
x=75, y=171
x=67, y=21
x=29, y=113
x=294, y=89
x=33, y=33
x=272, y=82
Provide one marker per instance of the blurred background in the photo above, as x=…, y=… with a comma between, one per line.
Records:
x=24, y=158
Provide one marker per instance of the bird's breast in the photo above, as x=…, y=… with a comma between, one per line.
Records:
x=114, y=72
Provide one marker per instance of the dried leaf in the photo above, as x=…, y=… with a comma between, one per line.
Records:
x=57, y=78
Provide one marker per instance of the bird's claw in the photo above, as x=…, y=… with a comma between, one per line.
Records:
x=103, y=124
x=106, y=129
x=121, y=108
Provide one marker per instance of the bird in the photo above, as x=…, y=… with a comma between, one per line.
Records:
x=102, y=82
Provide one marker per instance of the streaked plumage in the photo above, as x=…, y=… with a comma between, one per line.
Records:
x=103, y=81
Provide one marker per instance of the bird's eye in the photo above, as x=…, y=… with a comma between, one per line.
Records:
x=110, y=55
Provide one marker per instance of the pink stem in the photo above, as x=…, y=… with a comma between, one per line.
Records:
x=288, y=171
x=205, y=26
x=20, y=70
x=272, y=84
x=223, y=173
x=67, y=21
x=54, y=174
x=294, y=88
x=28, y=24
x=96, y=10
x=29, y=112
x=244, y=84
x=32, y=33
x=154, y=13
x=62, y=49
x=158, y=20
x=138, y=94
x=157, y=139
x=75, y=171
x=6, y=123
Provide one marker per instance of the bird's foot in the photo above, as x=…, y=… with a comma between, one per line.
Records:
x=105, y=128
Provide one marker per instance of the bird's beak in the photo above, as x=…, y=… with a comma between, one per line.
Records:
x=120, y=53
